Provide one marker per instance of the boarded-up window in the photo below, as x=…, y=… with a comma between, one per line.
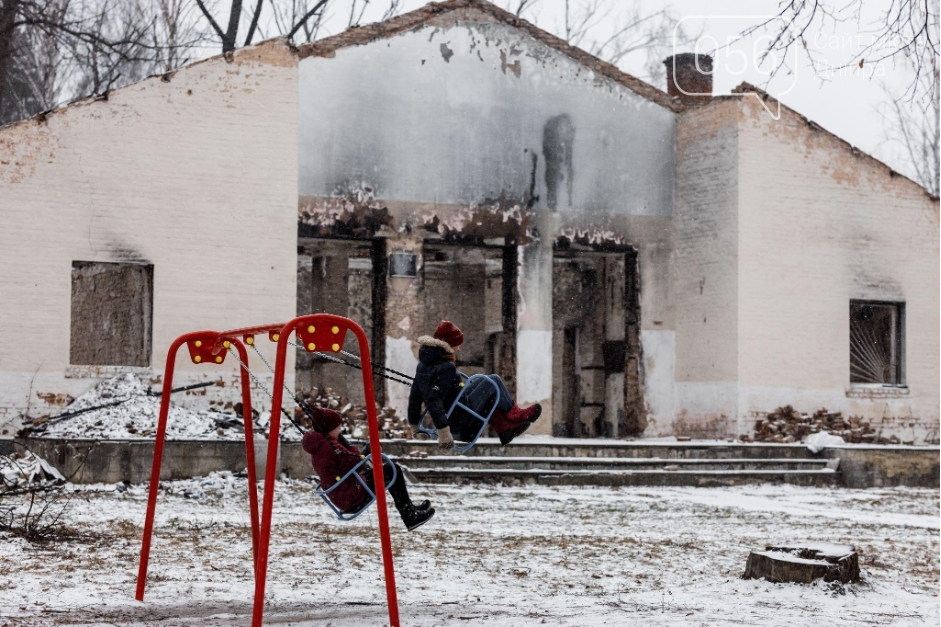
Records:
x=877, y=342
x=112, y=308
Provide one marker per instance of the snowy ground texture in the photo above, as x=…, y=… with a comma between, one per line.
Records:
x=495, y=557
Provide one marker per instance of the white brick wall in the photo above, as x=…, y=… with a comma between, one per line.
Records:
x=196, y=175
x=705, y=273
x=818, y=226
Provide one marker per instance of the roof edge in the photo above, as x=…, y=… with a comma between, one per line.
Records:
x=748, y=88
x=369, y=33
x=229, y=57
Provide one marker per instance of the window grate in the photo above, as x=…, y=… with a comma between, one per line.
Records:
x=876, y=342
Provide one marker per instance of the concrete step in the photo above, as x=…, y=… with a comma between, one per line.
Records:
x=611, y=463
x=657, y=477
x=627, y=471
x=571, y=447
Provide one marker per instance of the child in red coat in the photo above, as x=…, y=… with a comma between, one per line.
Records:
x=332, y=459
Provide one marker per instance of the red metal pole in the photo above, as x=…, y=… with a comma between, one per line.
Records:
x=376, y=451
x=155, y=468
x=268, y=498
x=261, y=567
x=249, y=446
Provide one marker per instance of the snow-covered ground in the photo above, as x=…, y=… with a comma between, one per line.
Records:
x=492, y=557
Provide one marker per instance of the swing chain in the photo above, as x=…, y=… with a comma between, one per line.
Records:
x=401, y=374
x=265, y=389
x=358, y=367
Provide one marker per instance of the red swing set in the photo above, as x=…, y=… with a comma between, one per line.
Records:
x=210, y=347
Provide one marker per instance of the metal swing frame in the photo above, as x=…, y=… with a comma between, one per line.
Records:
x=431, y=431
x=211, y=347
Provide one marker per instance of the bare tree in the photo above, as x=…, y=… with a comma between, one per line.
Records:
x=175, y=34
x=912, y=126
x=96, y=67
x=33, y=67
x=904, y=29
x=287, y=14
x=52, y=50
x=229, y=36
x=613, y=31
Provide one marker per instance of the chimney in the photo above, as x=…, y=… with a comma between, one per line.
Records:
x=683, y=76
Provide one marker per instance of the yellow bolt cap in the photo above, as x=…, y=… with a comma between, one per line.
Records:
x=336, y=347
x=311, y=346
x=227, y=344
x=219, y=360
x=335, y=329
x=310, y=329
x=197, y=359
x=275, y=337
x=249, y=340
x=198, y=343
x=338, y=478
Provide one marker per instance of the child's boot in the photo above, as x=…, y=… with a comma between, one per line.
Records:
x=414, y=517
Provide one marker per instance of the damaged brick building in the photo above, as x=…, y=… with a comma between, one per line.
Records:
x=642, y=263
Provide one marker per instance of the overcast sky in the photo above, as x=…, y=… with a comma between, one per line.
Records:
x=846, y=103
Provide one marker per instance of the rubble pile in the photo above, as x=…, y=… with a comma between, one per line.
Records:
x=786, y=424
x=125, y=408
x=24, y=470
x=355, y=423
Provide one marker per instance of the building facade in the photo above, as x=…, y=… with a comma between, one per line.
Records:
x=640, y=265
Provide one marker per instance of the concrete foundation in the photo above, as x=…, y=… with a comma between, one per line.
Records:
x=89, y=461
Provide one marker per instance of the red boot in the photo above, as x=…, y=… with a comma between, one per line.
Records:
x=517, y=421
x=530, y=414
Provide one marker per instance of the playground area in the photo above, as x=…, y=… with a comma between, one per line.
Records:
x=506, y=557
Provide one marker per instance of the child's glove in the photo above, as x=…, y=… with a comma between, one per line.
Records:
x=445, y=441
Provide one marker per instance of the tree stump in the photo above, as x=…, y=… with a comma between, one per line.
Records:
x=803, y=563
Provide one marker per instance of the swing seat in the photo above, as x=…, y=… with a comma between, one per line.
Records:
x=484, y=421
x=350, y=514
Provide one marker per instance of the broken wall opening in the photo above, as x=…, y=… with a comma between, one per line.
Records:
x=345, y=278
x=596, y=344
x=111, y=314
x=474, y=287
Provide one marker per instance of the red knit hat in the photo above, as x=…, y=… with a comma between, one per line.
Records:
x=448, y=332
x=326, y=419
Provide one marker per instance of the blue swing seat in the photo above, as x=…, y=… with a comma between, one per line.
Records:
x=431, y=431
x=348, y=515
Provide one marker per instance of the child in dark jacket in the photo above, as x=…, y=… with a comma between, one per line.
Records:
x=437, y=383
x=332, y=460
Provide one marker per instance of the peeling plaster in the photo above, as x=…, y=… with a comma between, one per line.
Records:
x=349, y=215
x=594, y=237
x=480, y=221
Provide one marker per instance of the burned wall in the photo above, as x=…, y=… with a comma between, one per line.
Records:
x=335, y=277
x=549, y=129
x=512, y=145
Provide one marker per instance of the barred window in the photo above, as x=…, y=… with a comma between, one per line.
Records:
x=877, y=343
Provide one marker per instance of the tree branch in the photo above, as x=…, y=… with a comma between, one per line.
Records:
x=306, y=17
x=254, y=24
x=212, y=22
